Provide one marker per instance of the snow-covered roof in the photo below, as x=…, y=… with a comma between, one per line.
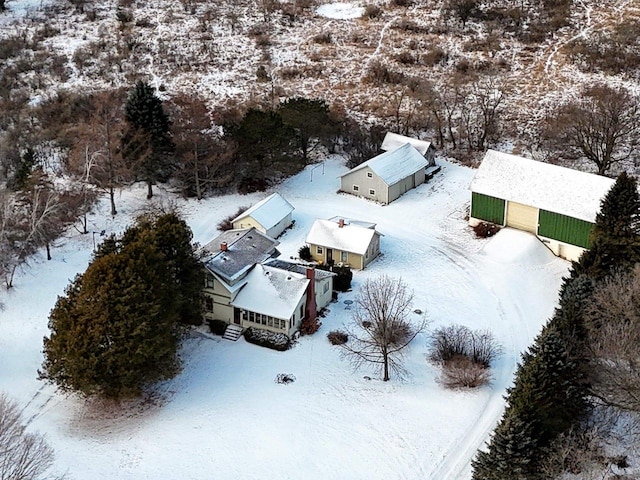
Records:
x=351, y=221
x=268, y=212
x=393, y=141
x=298, y=268
x=395, y=165
x=272, y=292
x=350, y=238
x=549, y=187
x=244, y=248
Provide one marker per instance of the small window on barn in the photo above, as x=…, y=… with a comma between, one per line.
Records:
x=369, y=174
x=356, y=188
x=319, y=250
x=344, y=256
x=372, y=191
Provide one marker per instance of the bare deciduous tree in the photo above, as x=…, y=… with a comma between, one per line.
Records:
x=613, y=323
x=382, y=329
x=603, y=126
x=23, y=455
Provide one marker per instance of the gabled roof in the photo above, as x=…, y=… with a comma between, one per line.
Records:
x=393, y=140
x=349, y=221
x=245, y=248
x=272, y=292
x=543, y=185
x=298, y=268
x=350, y=238
x=395, y=165
x=268, y=212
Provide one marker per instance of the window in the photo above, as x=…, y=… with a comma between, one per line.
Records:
x=344, y=256
x=208, y=303
x=369, y=174
x=356, y=188
x=325, y=289
x=208, y=281
x=372, y=191
x=319, y=250
x=301, y=311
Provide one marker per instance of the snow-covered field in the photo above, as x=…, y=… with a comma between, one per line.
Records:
x=225, y=417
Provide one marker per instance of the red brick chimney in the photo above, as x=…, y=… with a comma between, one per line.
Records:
x=311, y=308
x=341, y=223
x=223, y=246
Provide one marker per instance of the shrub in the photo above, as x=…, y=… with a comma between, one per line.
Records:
x=264, y=338
x=406, y=58
x=309, y=326
x=304, y=252
x=227, y=222
x=285, y=378
x=485, y=229
x=372, y=11
x=324, y=37
x=342, y=280
x=479, y=346
x=337, y=337
x=262, y=75
x=124, y=16
x=217, y=327
x=379, y=73
x=462, y=372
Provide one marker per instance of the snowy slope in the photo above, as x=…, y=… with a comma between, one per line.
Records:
x=225, y=417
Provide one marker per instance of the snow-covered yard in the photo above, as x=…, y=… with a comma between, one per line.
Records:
x=225, y=417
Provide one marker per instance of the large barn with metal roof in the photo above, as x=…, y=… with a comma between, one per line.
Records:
x=557, y=204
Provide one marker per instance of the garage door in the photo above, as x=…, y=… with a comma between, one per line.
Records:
x=522, y=217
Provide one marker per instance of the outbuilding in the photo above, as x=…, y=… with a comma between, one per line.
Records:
x=271, y=216
x=344, y=243
x=387, y=176
x=557, y=204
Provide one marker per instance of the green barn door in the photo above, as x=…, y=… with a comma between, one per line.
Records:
x=490, y=209
x=565, y=229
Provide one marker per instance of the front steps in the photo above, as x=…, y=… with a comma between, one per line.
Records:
x=232, y=332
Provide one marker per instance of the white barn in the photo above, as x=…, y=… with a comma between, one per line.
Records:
x=387, y=176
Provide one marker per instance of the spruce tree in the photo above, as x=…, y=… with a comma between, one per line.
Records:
x=548, y=397
x=509, y=454
x=146, y=144
x=614, y=241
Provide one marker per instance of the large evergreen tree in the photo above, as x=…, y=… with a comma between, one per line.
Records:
x=264, y=147
x=115, y=331
x=509, y=452
x=146, y=144
x=172, y=237
x=310, y=120
x=615, y=238
x=547, y=398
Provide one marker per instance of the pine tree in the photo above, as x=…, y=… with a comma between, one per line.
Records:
x=615, y=238
x=264, y=145
x=509, y=453
x=310, y=120
x=547, y=398
x=146, y=143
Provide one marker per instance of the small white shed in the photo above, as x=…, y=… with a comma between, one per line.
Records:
x=271, y=216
